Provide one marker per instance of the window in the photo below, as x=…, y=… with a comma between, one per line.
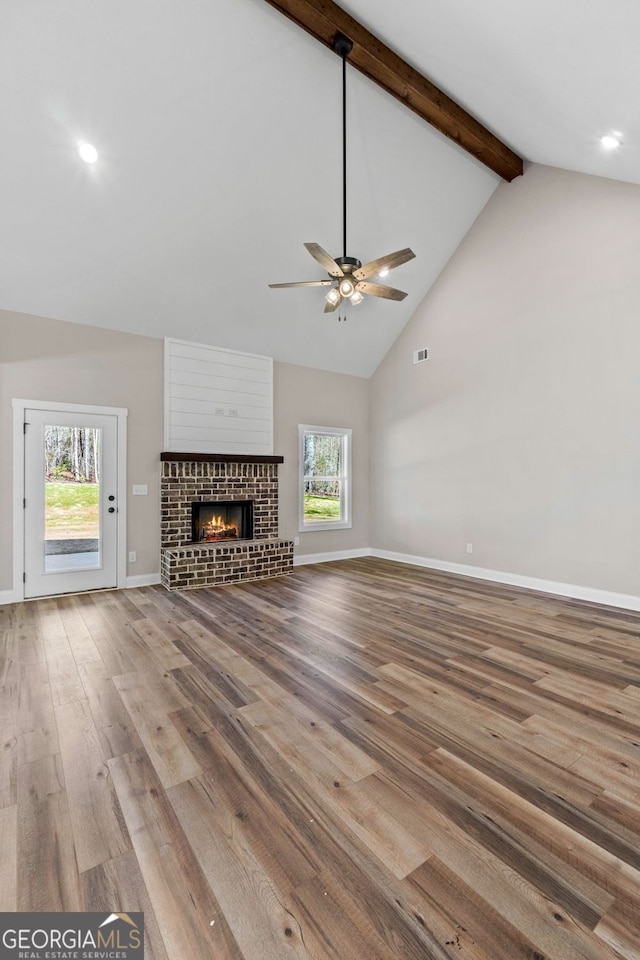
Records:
x=325, y=477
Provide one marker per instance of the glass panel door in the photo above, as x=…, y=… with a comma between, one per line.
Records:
x=70, y=515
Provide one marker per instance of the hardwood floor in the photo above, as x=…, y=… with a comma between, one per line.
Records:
x=362, y=760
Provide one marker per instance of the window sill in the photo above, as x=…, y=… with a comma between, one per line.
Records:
x=325, y=525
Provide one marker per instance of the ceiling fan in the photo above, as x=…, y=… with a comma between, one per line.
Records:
x=349, y=279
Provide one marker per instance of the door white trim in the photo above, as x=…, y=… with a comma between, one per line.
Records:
x=19, y=407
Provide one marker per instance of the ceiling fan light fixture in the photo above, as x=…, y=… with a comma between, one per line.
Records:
x=333, y=296
x=347, y=287
x=357, y=298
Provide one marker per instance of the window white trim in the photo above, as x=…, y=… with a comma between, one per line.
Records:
x=345, y=478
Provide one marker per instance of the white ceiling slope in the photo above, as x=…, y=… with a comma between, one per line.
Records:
x=218, y=128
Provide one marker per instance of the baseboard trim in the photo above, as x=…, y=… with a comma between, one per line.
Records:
x=9, y=596
x=570, y=590
x=143, y=580
x=334, y=555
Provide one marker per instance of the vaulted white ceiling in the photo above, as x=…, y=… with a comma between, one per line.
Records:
x=218, y=128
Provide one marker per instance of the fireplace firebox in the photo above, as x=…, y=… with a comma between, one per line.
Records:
x=222, y=520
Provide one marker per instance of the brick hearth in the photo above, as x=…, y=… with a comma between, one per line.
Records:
x=189, y=478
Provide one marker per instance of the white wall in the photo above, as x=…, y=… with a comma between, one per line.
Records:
x=42, y=359
x=521, y=434
x=306, y=395
x=217, y=401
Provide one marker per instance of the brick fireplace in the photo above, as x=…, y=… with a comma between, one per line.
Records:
x=210, y=479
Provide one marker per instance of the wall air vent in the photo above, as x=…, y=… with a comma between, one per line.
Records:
x=420, y=355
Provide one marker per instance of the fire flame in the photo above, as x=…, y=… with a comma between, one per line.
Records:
x=219, y=529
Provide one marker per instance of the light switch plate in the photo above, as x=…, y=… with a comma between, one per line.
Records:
x=140, y=490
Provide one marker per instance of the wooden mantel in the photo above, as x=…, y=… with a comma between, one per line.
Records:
x=220, y=458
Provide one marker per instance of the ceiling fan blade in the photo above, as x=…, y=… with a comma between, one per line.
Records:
x=389, y=262
x=324, y=259
x=379, y=290
x=304, y=283
x=330, y=307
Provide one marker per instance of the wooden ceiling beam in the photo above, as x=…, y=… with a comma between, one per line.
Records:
x=323, y=19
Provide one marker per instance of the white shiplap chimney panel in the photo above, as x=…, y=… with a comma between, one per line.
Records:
x=217, y=401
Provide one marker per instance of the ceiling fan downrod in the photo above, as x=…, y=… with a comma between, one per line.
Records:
x=343, y=46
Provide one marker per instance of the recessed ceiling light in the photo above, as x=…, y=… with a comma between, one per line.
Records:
x=611, y=141
x=88, y=152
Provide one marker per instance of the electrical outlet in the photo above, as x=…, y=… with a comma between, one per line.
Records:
x=218, y=412
x=233, y=411
x=132, y=556
x=296, y=541
x=469, y=548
